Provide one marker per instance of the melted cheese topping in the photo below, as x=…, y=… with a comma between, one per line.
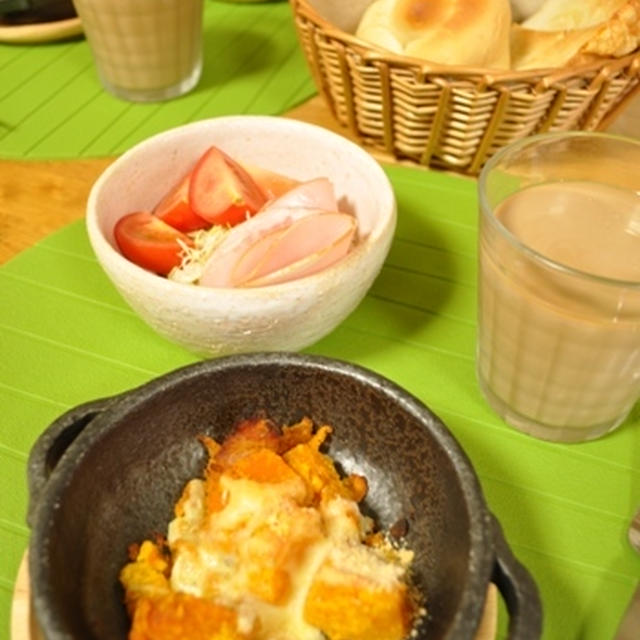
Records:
x=270, y=546
x=215, y=556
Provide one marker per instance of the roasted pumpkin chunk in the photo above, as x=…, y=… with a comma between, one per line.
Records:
x=349, y=605
x=179, y=616
x=269, y=542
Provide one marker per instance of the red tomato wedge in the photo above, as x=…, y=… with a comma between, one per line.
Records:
x=221, y=191
x=175, y=210
x=149, y=242
x=273, y=184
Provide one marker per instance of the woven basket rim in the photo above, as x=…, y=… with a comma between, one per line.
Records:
x=544, y=77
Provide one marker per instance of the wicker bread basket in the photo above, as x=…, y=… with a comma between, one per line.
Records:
x=448, y=117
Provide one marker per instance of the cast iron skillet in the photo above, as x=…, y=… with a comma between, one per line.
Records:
x=107, y=474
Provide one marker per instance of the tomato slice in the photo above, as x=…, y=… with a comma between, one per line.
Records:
x=149, y=242
x=273, y=184
x=221, y=191
x=175, y=210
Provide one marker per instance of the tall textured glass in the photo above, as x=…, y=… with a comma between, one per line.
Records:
x=144, y=50
x=559, y=284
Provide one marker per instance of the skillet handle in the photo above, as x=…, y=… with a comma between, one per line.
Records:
x=53, y=442
x=518, y=590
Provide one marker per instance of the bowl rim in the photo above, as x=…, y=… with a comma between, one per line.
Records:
x=104, y=251
x=482, y=545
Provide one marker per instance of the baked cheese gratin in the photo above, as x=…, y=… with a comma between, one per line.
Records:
x=270, y=544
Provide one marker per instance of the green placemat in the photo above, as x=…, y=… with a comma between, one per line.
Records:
x=52, y=104
x=67, y=337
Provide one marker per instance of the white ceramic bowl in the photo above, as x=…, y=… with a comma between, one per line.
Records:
x=283, y=317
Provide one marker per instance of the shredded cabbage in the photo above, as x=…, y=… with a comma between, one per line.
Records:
x=205, y=241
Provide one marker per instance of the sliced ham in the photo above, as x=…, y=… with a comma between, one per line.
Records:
x=275, y=239
x=328, y=237
x=298, y=234
x=218, y=270
x=250, y=257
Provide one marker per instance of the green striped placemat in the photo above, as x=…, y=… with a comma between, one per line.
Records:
x=67, y=337
x=53, y=106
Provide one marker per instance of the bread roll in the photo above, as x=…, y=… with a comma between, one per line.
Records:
x=572, y=32
x=456, y=32
x=522, y=9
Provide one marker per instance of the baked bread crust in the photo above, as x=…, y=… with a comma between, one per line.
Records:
x=575, y=32
x=454, y=32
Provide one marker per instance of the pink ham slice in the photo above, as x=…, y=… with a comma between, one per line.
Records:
x=327, y=237
x=247, y=263
x=218, y=270
x=274, y=242
x=263, y=243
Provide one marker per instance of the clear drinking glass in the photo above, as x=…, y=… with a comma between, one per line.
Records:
x=144, y=50
x=558, y=352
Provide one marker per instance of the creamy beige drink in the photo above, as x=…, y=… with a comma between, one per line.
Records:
x=144, y=50
x=559, y=348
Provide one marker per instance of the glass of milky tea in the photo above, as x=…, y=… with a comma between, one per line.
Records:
x=144, y=50
x=558, y=352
